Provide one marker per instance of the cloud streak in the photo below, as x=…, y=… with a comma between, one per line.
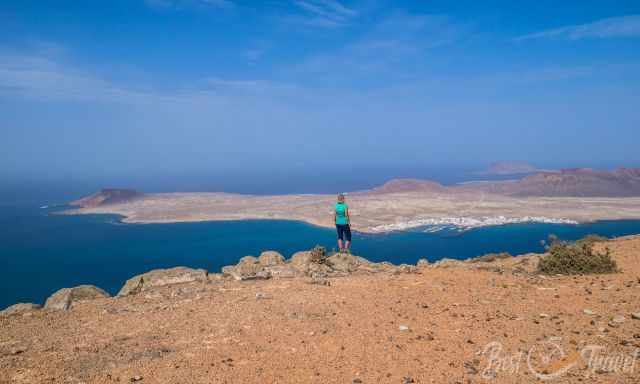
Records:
x=173, y=4
x=623, y=26
x=325, y=13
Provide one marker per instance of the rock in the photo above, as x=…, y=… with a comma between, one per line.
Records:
x=406, y=268
x=308, y=262
x=403, y=328
x=12, y=349
x=543, y=315
x=422, y=263
x=20, y=309
x=470, y=368
x=262, y=296
x=67, y=297
x=588, y=312
x=270, y=258
x=344, y=262
x=618, y=319
x=635, y=316
x=447, y=263
x=281, y=271
x=377, y=267
x=248, y=268
x=162, y=277
x=136, y=378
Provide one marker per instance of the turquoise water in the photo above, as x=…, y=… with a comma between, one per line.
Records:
x=40, y=253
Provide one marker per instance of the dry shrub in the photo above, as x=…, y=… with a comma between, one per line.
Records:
x=577, y=258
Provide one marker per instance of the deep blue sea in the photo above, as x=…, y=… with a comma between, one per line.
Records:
x=40, y=253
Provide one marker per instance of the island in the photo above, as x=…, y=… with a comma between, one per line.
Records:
x=567, y=196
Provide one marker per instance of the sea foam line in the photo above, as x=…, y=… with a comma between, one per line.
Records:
x=466, y=223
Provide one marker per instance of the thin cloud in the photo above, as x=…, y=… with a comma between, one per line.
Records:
x=324, y=13
x=174, y=4
x=623, y=26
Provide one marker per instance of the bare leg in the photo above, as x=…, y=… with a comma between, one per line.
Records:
x=339, y=245
x=346, y=245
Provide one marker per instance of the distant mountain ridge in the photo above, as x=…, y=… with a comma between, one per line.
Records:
x=580, y=182
x=574, y=182
x=508, y=168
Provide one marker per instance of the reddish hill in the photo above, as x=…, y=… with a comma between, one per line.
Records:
x=578, y=182
x=409, y=185
x=107, y=196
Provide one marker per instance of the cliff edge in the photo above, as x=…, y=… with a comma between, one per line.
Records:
x=318, y=318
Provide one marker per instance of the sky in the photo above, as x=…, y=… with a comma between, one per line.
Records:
x=121, y=89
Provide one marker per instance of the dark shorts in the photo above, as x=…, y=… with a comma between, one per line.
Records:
x=344, y=231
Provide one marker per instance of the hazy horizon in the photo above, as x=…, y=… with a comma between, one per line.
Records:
x=229, y=94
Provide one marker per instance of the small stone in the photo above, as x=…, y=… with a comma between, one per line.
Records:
x=618, y=319
x=555, y=338
x=136, y=378
x=635, y=316
x=403, y=328
x=357, y=381
x=262, y=296
x=543, y=315
x=588, y=312
x=408, y=380
x=17, y=350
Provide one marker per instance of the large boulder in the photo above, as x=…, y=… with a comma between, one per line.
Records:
x=271, y=258
x=162, y=277
x=67, y=297
x=309, y=262
x=248, y=268
x=345, y=262
x=20, y=309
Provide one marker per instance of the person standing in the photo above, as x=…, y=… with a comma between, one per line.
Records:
x=343, y=224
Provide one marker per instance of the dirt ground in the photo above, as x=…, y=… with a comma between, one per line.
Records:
x=440, y=325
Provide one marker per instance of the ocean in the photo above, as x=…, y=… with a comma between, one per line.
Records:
x=41, y=253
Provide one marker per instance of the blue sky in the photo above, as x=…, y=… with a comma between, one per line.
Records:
x=194, y=86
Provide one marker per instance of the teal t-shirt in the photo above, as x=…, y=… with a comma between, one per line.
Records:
x=341, y=214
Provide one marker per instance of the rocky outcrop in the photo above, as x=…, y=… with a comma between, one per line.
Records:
x=422, y=263
x=67, y=297
x=248, y=268
x=271, y=258
x=162, y=277
x=20, y=309
x=345, y=262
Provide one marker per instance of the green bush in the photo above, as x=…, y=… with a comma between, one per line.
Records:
x=577, y=258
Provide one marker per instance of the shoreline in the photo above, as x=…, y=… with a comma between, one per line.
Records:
x=385, y=229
